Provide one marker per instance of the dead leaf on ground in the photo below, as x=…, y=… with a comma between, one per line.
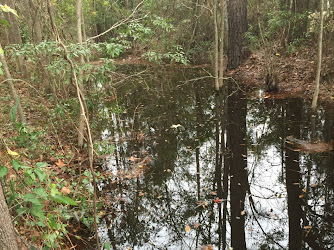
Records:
x=65, y=190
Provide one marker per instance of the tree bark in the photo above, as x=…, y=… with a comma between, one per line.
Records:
x=36, y=31
x=11, y=85
x=7, y=233
x=14, y=35
x=237, y=27
x=319, y=58
x=81, y=126
x=221, y=44
x=216, y=44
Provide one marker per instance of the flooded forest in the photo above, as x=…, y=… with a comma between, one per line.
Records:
x=172, y=124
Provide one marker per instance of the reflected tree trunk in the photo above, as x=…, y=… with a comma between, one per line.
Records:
x=293, y=176
x=237, y=105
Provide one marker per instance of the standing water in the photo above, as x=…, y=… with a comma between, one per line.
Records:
x=268, y=185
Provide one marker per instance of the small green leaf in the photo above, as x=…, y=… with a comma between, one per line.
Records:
x=16, y=165
x=32, y=198
x=40, y=173
x=41, y=164
x=22, y=210
x=3, y=171
x=64, y=200
x=37, y=212
x=40, y=192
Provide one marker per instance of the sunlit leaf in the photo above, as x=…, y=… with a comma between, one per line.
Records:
x=6, y=8
x=10, y=152
x=187, y=228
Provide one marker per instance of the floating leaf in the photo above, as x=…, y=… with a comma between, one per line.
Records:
x=308, y=227
x=175, y=126
x=243, y=212
x=187, y=228
x=141, y=194
x=196, y=225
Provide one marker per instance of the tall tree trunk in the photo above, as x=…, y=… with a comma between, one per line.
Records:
x=11, y=85
x=216, y=44
x=7, y=232
x=237, y=27
x=81, y=126
x=36, y=31
x=319, y=58
x=14, y=35
x=221, y=44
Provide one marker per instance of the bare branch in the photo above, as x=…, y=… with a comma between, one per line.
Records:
x=126, y=20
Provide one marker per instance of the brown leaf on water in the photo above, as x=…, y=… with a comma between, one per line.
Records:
x=196, y=225
x=308, y=227
x=187, y=228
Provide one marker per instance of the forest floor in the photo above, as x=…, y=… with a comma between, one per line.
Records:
x=296, y=75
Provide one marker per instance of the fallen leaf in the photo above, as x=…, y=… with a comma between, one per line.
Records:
x=187, y=228
x=243, y=212
x=308, y=227
x=65, y=190
x=10, y=152
x=301, y=196
x=217, y=200
x=196, y=225
x=60, y=163
x=141, y=194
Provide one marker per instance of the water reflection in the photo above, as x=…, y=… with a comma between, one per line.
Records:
x=168, y=185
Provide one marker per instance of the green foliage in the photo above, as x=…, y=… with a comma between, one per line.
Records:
x=39, y=199
x=178, y=56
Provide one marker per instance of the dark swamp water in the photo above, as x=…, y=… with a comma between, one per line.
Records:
x=171, y=187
